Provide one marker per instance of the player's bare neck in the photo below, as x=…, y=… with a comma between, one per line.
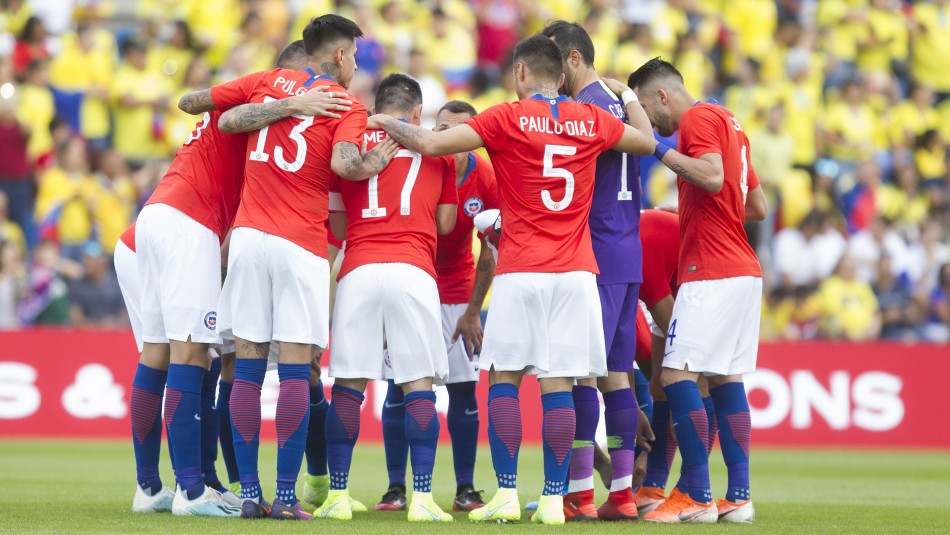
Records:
x=545, y=89
x=583, y=78
x=330, y=69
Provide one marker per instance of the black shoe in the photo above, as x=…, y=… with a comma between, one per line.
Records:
x=393, y=500
x=468, y=499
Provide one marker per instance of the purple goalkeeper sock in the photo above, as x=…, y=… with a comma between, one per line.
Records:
x=587, y=409
x=504, y=432
x=558, y=429
x=692, y=430
x=735, y=437
x=183, y=422
x=343, y=428
x=145, y=410
x=621, y=418
x=293, y=408
x=422, y=434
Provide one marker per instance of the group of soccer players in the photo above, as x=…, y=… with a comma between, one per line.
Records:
x=285, y=165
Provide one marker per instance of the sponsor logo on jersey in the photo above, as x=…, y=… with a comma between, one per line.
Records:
x=211, y=320
x=473, y=206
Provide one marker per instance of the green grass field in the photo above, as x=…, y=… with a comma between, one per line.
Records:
x=87, y=487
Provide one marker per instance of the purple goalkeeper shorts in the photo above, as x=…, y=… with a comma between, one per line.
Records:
x=618, y=305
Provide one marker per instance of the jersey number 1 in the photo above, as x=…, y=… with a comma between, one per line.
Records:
x=375, y=210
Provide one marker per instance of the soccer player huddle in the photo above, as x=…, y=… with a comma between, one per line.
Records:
x=233, y=253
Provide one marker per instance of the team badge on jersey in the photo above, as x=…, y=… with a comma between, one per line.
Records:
x=211, y=320
x=473, y=206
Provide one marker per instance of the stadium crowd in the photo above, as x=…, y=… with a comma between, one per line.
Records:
x=846, y=102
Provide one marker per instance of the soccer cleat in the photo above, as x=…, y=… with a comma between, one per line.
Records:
x=315, y=490
x=357, y=506
x=157, y=503
x=468, y=499
x=235, y=487
x=619, y=507
x=282, y=511
x=579, y=506
x=681, y=509
x=424, y=509
x=336, y=507
x=255, y=508
x=550, y=511
x=740, y=513
x=232, y=499
x=648, y=499
x=504, y=507
x=393, y=500
x=210, y=503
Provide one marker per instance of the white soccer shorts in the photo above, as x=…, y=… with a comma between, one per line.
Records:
x=393, y=303
x=547, y=324
x=127, y=271
x=179, y=263
x=461, y=368
x=715, y=326
x=275, y=290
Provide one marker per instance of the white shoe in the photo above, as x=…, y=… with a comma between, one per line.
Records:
x=211, y=503
x=232, y=499
x=159, y=503
x=740, y=513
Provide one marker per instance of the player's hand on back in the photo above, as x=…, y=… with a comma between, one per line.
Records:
x=319, y=102
x=381, y=154
x=376, y=122
x=615, y=86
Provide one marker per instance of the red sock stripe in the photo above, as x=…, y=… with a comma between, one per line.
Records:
x=144, y=408
x=172, y=398
x=504, y=413
x=670, y=445
x=246, y=409
x=700, y=423
x=422, y=411
x=740, y=424
x=347, y=407
x=292, y=404
x=558, y=428
x=713, y=432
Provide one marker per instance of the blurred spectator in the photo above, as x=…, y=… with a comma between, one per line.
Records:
x=883, y=44
x=903, y=201
x=930, y=157
x=47, y=298
x=808, y=254
x=81, y=75
x=10, y=232
x=451, y=51
x=255, y=43
x=37, y=109
x=899, y=312
x=30, y=45
x=433, y=94
x=95, y=299
x=930, y=26
x=13, y=15
x=913, y=117
x=180, y=124
x=926, y=256
x=850, y=125
x=867, y=246
x=12, y=283
x=173, y=57
x=849, y=309
x=66, y=195
x=937, y=328
x=140, y=99
x=114, y=202
x=395, y=34
x=15, y=180
x=497, y=30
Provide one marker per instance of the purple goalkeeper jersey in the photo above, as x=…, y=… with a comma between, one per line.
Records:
x=615, y=213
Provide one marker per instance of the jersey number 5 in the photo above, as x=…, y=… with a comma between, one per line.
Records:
x=375, y=210
x=557, y=172
x=258, y=154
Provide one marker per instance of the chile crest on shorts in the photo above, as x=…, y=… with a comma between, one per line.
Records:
x=211, y=320
x=473, y=206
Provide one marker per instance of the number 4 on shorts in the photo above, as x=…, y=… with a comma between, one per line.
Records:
x=672, y=334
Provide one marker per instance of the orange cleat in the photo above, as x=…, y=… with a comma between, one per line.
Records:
x=740, y=513
x=619, y=507
x=579, y=506
x=648, y=499
x=681, y=509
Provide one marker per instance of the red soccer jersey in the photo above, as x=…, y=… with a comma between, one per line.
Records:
x=644, y=337
x=128, y=237
x=660, y=237
x=713, y=242
x=204, y=180
x=391, y=216
x=544, y=153
x=288, y=163
x=454, y=263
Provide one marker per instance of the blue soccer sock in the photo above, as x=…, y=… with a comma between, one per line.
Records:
x=692, y=430
x=422, y=434
x=183, y=421
x=343, y=428
x=224, y=430
x=293, y=408
x=644, y=399
x=463, y=428
x=504, y=433
x=209, y=425
x=664, y=447
x=145, y=409
x=394, y=435
x=735, y=437
x=558, y=428
x=246, y=422
x=316, y=450
x=710, y=407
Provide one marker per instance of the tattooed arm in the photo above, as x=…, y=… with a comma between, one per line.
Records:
x=250, y=117
x=454, y=140
x=349, y=164
x=705, y=172
x=197, y=102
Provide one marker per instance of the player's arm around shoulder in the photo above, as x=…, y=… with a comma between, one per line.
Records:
x=446, y=212
x=462, y=138
x=318, y=102
x=637, y=137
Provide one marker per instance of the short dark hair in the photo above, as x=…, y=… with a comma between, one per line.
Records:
x=541, y=57
x=329, y=29
x=294, y=54
x=570, y=36
x=654, y=69
x=458, y=106
x=398, y=92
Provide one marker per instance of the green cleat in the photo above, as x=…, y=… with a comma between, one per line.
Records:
x=504, y=507
x=550, y=511
x=336, y=507
x=424, y=509
x=315, y=490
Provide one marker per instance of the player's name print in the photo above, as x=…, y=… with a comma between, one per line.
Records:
x=547, y=125
x=289, y=86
